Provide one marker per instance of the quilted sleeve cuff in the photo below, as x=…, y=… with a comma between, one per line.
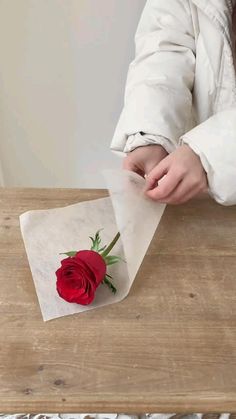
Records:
x=140, y=139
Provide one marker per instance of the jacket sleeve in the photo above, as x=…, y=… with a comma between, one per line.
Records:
x=141, y=139
x=158, y=98
x=214, y=141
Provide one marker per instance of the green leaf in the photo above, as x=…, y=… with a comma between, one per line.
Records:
x=71, y=253
x=110, y=260
x=109, y=284
x=96, y=241
x=92, y=239
x=102, y=248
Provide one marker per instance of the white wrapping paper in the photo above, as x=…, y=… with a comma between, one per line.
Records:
x=46, y=233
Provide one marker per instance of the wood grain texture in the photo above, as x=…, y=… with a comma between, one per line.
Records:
x=170, y=346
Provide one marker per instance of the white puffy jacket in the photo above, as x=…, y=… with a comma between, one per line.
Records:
x=181, y=87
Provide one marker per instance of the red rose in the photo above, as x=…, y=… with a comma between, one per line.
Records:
x=82, y=272
x=79, y=276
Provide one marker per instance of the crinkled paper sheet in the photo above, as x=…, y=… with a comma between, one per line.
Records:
x=46, y=233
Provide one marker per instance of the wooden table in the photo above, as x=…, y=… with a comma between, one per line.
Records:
x=170, y=346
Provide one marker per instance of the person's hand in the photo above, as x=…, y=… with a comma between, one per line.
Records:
x=180, y=177
x=143, y=159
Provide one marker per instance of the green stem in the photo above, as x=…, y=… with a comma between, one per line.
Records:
x=111, y=245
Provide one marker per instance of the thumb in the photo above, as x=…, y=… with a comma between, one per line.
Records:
x=155, y=175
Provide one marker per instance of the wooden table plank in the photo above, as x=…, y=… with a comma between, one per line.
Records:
x=168, y=347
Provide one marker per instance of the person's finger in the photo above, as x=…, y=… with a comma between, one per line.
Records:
x=192, y=193
x=166, y=186
x=183, y=193
x=129, y=164
x=156, y=174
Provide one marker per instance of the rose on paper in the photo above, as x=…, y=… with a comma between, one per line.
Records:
x=83, y=271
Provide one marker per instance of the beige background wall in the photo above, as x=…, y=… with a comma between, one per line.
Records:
x=63, y=66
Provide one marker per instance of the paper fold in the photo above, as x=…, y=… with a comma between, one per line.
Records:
x=48, y=232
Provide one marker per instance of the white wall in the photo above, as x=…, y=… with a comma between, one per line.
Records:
x=63, y=66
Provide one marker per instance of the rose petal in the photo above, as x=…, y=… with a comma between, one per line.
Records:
x=95, y=262
x=83, y=295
